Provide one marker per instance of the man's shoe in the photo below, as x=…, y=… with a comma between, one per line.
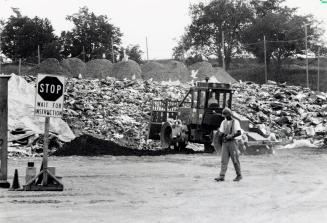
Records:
x=218, y=179
x=238, y=178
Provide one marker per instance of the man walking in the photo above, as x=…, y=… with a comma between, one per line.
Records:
x=229, y=132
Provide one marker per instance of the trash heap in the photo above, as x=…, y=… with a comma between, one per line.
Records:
x=115, y=110
x=287, y=111
x=119, y=110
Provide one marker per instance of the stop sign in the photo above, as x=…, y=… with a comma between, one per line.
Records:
x=50, y=88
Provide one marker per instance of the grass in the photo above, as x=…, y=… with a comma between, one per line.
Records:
x=13, y=68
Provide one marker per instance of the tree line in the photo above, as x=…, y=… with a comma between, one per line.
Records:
x=244, y=25
x=92, y=37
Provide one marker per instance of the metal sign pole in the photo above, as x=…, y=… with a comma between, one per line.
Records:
x=4, y=130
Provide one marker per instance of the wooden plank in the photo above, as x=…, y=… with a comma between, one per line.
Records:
x=45, y=150
x=4, y=127
x=50, y=187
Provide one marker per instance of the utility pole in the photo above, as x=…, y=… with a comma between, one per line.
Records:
x=38, y=55
x=265, y=58
x=0, y=52
x=306, y=53
x=112, y=50
x=318, y=74
x=19, y=66
x=83, y=52
x=223, y=49
x=147, y=50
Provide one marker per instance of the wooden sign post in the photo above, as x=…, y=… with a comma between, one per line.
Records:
x=4, y=130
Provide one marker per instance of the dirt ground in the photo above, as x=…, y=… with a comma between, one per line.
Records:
x=289, y=186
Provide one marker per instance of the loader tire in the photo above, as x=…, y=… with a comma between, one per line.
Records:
x=179, y=146
x=208, y=148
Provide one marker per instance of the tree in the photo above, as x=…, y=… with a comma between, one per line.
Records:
x=52, y=50
x=204, y=35
x=21, y=36
x=93, y=33
x=283, y=29
x=133, y=52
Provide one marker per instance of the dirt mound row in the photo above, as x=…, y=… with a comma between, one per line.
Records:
x=177, y=71
x=165, y=71
x=222, y=76
x=201, y=70
x=98, y=68
x=126, y=69
x=153, y=70
x=49, y=66
x=101, y=68
x=74, y=66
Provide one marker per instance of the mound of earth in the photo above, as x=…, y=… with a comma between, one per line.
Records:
x=98, y=68
x=176, y=71
x=127, y=69
x=223, y=76
x=74, y=65
x=201, y=70
x=49, y=66
x=153, y=70
x=87, y=145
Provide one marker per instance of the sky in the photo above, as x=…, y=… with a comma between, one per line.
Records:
x=161, y=22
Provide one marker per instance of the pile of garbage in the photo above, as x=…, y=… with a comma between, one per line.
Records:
x=115, y=110
x=287, y=111
x=119, y=111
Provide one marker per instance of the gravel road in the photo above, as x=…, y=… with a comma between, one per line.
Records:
x=289, y=186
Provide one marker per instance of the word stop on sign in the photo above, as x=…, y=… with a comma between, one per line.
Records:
x=50, y=88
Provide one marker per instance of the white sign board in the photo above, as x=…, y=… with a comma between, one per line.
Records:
x=49, y=95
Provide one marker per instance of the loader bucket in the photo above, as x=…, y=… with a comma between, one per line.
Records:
x=258, y=149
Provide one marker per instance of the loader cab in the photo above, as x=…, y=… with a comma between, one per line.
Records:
x=206, y=102
x=207, y=98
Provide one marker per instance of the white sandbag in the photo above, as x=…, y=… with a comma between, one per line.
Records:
x=300, y=144
x=310, y=131
x=21, y=100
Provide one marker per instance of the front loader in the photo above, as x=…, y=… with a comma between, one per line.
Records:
x=195, y=118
